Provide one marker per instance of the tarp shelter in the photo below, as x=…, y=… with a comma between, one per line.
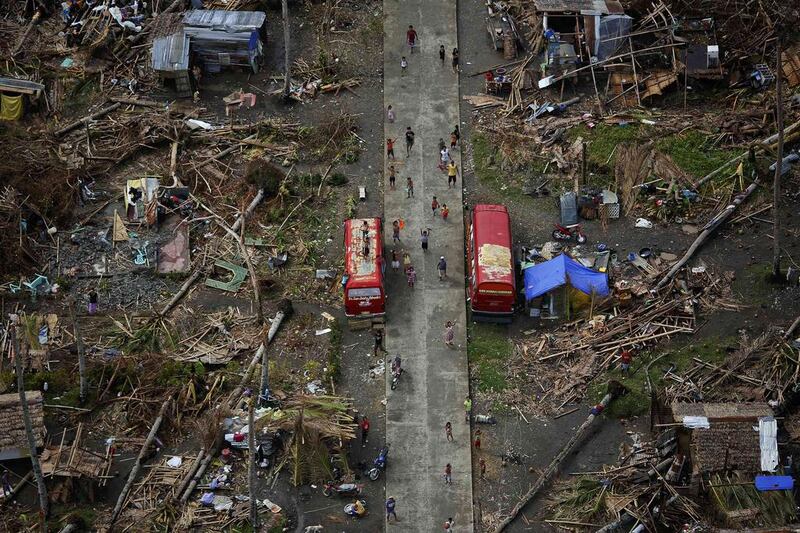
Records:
x=222, y=38
x=12, y=92
x=563, y=270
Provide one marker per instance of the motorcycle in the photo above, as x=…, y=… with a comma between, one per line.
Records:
x=397, y=371
x=342, y=489
x=357, y=509
x=379, y=464
x=565, y=233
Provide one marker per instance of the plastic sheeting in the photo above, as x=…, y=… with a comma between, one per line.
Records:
x=559, y=271
x=10, y=107
x=613, y=31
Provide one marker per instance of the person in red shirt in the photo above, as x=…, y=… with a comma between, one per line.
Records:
x=445, y=212
x=434, y=205
x=625, y=359
x=411, y=38
x=390, y=147
x=364, y=430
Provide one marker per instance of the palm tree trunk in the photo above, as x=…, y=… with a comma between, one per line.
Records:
x=776, y=187
x=81, y=354
x=26, y=417
x=286, y=81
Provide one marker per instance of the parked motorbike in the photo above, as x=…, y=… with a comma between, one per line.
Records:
x=379, y=464
x=357, y=509
x=565, y=233
x=397, y=371
x=341, y=489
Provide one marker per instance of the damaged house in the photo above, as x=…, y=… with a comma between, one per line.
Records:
x=13, y=443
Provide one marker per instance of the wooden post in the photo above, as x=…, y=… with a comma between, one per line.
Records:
x=583, y=163
x=81, y=354
x=138, y=464
x=87, y=119
x=250, y=268
x=286, y=65
x=26, y=418
x=552, y=468
x=635, y=77
x=262, y=396
x=776, y=185
x=251, y=465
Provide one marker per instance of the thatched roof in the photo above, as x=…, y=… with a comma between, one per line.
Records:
x=12, y=427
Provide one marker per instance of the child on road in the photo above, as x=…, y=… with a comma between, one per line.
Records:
x=434, y=205
x=390, y=147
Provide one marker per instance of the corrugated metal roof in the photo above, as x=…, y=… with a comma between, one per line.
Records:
x=171, y=53
x=221, y=20
x=572, y=6
x=20, y=86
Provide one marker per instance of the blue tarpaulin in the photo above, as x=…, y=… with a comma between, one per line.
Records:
x=764, y=483
x=559, y=271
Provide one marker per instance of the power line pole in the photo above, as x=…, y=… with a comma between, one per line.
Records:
x=776, y=186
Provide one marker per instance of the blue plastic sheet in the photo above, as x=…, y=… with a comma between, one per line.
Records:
x=559, y=271
x=764, y=483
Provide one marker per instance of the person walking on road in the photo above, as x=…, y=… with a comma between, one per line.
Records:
x=434, y=205
x=395, y=261
x=449, y=333
x=448, y=431
x=445, y=212
x=390, y=116
x=482, y=464
x=455, y=60
x=403, y=65
x=390, y=147
x=467, y=408
x=409, y=187
x=448, y=525
x=364, y=430
x=441, y=53
x=406, y=261
x=423, y=239
x=444, y=159
x=392, y=177
x=452, y=173
x=409, y=140
x=456, y=133
x=411, y=38
x=448, y=474
x=390, y=505
x=442, y=267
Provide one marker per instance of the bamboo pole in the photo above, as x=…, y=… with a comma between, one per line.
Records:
x=776, y=184
x=138, y=464
x=552, y=468
x=181, y=292
x=190, y=474
x=197, y=476
x=26, y=417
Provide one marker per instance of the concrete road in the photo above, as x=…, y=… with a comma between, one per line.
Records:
x=435, y=384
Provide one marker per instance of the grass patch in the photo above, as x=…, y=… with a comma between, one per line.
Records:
x=637, y=401
x=489, y=350
x=507, y=186
x=333, y=370
x=692, y=152
x=602, y=140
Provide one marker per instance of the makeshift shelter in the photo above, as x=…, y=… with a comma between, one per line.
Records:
x=13, y=442
x=222, y=38
x=12, y=94
x=542, y=280
x=170, y=60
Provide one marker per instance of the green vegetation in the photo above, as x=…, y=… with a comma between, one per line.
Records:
x=489, y=350
x=177, y=373
x=692, y=152
x=602, y=141
x=637, y=401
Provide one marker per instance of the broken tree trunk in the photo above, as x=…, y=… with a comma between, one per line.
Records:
x=138, y=464
x=76, y=330
x=190, y=474
x=198, y=476
x=26, y=418
x=287, y=81
x=181, y=292
x=144, y=103
x=262, y=396
x=276, y=323
x=223, y=153
x=249, y=211
x=552, y=468
x=787, y=335
x=251, y=466
x=709, y=229
x=87, y=119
